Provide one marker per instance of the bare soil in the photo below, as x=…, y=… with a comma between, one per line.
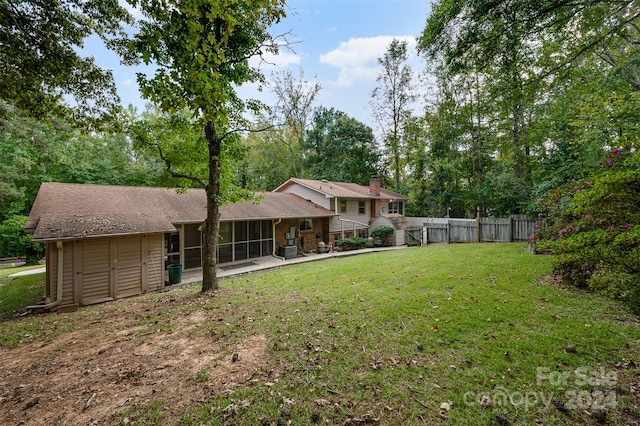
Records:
x=113, y=363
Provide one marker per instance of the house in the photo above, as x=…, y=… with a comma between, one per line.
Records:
x=108, y=242
x=356, y=206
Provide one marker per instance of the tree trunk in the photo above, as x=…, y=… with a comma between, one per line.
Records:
x=212, y=222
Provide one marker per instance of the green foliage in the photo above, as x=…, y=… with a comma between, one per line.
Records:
x=269, y=160
x=340, y=148
x=527, y=100
x=593, y=228
x=33, y=151
x=392, y=101
x=382, y=231
x=353, y=243
x=15, y=242
x=202, y=54
x=295, y=98
x=39, y=52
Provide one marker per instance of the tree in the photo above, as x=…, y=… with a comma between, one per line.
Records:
x=201, y=49
x=292, y=113
x=40, y=66
x=268, y=161
x=478, y=33
x=340, y=148
x=392, y=101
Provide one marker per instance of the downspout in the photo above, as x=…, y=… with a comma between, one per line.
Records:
x=59, y=282
x=274, y=241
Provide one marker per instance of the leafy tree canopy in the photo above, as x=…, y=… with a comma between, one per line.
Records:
x=340, y=148
x=480, y=33
x=40, y=67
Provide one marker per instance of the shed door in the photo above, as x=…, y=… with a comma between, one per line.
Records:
x=127, y=264
x=96, y=271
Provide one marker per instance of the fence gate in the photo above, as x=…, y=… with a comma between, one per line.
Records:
x=413, y=235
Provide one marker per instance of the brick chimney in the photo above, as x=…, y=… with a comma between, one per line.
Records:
x=374, y=185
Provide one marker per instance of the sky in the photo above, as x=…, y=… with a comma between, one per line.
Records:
x=334, y=42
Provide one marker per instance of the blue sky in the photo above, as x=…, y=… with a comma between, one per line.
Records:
x=335, y=41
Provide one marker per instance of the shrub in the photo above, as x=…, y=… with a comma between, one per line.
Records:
x=382, y=231
x=353, y=243
x=382, y=235
x=593, y=228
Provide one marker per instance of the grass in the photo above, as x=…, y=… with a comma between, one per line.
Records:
x=16, y=293
x=388, y=337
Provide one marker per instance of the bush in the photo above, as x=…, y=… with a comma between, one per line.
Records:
x=382, y=235
x=353, y=243
x=593, y=229
x=382, y=231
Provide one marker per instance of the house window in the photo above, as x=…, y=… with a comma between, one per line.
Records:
x=396, y=207
x=305, y=225
x=361, y=208
x=343, y=206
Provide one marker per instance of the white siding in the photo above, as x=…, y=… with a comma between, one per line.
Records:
x=309, y=194
x=351, y=216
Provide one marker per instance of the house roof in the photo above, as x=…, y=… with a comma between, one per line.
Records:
x=341, y=189
x=63, y=211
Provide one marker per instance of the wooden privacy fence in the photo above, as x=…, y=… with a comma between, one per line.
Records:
x=485, y=229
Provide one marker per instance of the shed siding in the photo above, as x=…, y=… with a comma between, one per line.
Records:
x=155, y=262
x=96, y=271
x=67, y=273
x=68, y=293
x=128, y=266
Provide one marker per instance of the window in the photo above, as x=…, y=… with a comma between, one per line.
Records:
x=361, y=208
x=305, y=225
x=396, y=207
x=343, y=206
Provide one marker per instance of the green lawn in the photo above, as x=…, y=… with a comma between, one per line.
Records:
x=386, y=338
x=18, y=292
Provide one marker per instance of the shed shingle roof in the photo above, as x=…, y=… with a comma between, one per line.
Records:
x=80, y=211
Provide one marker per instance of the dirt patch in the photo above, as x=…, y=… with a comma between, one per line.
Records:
x=92, y=375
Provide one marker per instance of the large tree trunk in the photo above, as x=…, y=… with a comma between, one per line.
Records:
x=212, y=222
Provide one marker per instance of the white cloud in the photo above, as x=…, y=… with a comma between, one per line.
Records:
x=357, y=58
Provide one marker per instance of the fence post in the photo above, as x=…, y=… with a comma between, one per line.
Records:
x=511, y=228
x=478, y=226
x=448, y=231
x=425, y=236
